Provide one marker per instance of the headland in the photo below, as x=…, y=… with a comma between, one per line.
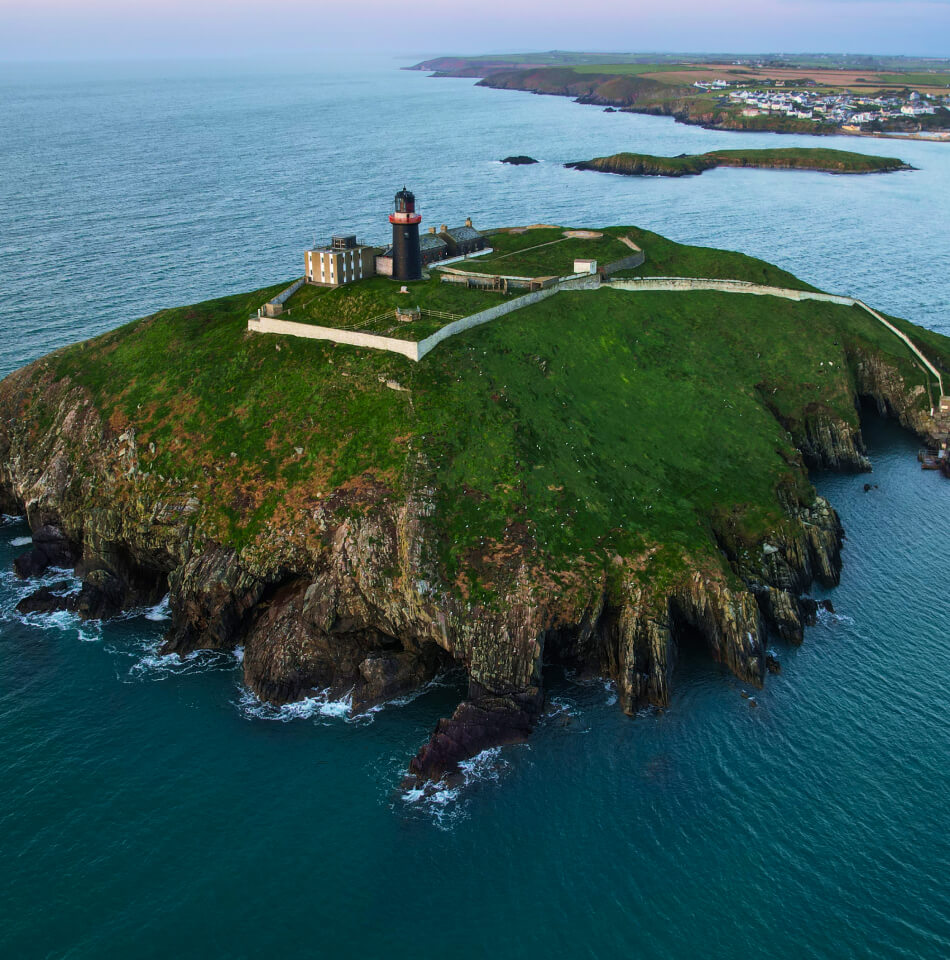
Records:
x=890, y=96
x=593, y=479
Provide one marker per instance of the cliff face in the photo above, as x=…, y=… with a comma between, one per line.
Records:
x=370, y=581
x=637, y=94
x=369, y=615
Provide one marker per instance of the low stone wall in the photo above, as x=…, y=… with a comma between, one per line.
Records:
x=353, y=337
x=465, y=256
x=910, y=343
x=485, y=316
x=668, y=284
x=625, y=263
x=416, y=351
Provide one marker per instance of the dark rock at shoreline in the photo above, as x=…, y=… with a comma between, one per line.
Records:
x=47, y=600
x=51, y=548
x=519, y=160
x=772, y=664
x=811, y=607
x=103, y=595
x=609, y=110
x=476, y=725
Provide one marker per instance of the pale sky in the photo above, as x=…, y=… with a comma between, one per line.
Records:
x=95, y=29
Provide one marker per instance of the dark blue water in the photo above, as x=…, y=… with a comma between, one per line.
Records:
x=148, y=807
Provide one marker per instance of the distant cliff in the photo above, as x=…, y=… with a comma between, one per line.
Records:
x=591, y=481
x=635, y=94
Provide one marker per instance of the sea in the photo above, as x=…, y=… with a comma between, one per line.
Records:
x=151, y=807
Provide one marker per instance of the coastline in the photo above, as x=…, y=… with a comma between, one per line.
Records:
x=638, y=94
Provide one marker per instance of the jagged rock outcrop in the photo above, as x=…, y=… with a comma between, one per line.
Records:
x=830, y=443
x=882, y=384
x=363, y=613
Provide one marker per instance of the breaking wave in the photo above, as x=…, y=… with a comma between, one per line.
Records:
x=150, y=664
x=15, y=590
x=445, y=801
x=320, y=706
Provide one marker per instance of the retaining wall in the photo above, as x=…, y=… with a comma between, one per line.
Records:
x=625, y=263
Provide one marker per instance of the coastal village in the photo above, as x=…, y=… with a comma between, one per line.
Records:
x=852, y=112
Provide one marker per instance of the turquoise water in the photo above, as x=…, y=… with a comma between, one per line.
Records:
x=149, y=807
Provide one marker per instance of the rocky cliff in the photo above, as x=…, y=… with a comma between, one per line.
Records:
x=501, y=512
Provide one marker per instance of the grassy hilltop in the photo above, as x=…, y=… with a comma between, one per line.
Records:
x=588, y=425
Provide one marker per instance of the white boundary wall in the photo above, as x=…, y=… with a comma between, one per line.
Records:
x=485, y=316
x=353, y=337
x=417, y=350
x=743, y=286
x=670, y=284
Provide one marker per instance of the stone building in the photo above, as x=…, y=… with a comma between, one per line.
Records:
x=343, y=261
x=463, y=240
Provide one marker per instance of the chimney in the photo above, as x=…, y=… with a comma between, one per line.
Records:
x=468, y=221
x=431, y=229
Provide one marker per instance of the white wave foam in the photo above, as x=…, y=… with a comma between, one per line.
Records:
x=828, y=618
x=320, y=706
x=90, y=632
x=161, y=610
x=444, y=800
x=440, y=680
x=20, y=541
x=6, y=519
x=611, y=689
x=150, y=664
x=238, y=653
x=157, y=613
x=562, y=707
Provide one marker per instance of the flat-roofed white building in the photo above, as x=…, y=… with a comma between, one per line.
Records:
x=343, y=261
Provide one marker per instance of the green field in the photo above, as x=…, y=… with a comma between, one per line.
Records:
x=370, y=305
x=596, y=424
x=941, y=79
x=632, y=69
x=545, y=252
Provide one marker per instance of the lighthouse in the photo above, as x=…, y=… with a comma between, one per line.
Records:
x=407, y=256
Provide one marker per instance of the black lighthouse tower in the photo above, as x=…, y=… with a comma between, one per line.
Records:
x=407, y=257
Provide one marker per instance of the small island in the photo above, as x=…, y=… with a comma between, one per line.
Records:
x=593, y=453
x=519, y=161
x=791, y=158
